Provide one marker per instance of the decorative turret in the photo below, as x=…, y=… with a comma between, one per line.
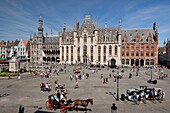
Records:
x=76, y=26
x=156, y=32
x=64, y=29
x=105, y=25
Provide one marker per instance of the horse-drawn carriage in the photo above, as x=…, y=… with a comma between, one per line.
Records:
x=69, y=105
x=143, y=94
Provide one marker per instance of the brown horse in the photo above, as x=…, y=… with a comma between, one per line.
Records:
x=83, y=103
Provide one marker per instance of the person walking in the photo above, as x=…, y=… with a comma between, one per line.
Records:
x=76, y=86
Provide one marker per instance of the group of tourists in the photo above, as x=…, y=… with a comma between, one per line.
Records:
x=162, y=76
x=45, y=87
x=45, y=74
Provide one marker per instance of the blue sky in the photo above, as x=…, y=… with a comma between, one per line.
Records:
x=19, y=18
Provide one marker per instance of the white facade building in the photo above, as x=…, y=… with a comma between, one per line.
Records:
x=90, y=44
x=19, y=48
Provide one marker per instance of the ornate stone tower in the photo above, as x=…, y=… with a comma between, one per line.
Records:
x=40, y=30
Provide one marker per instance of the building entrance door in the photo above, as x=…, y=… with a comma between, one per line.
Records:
x=113, y=63
x=85, y=59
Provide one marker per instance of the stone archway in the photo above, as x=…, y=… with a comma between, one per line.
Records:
x=44, y=58
x=57, y=59
x=85, y=59
x=141, y=62
x=112, y=63
x=132, y=62
x=137, y=62
x=48, y=59
x=53, y=59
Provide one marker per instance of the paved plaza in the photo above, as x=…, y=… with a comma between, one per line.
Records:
x=26, y=92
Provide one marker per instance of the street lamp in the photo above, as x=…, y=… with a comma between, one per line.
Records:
x=151, y=73
x=117, y=77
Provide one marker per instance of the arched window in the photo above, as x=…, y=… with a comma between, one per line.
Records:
x=110, y=50
x=71, y=53
x=104, y=51
x=127, y=61
x=99, y=52
x=84, y=50
x=116, y=50
x=67, y=50
x=78, y=55
x=85, y=38
x=91, y=53
x=123, y=61
x=151, y=62
x=71, y=49
x=67, y=53
x=147, y=62
x=62, y=53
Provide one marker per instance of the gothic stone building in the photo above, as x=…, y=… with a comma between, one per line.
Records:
x=44, y=49
x=89, y=44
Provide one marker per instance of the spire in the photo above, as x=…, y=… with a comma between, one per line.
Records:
x=51, y=31
x=96, y=22
x=75, y=25
x=105, y=25
x=120, y=23
x=61, y=28
x=119, y=28
x=64, y=29
x=164, y=43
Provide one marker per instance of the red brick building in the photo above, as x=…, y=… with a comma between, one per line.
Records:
x=140, y=47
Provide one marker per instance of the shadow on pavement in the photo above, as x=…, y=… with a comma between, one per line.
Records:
x=4, y=95
x=82, y=109
x=110, y=93
x=43, y=112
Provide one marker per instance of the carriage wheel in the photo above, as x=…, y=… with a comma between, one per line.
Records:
x=63, y=110
x=48, y=105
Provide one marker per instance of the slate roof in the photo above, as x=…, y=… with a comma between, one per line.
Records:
x=108, y=32
x=142, y=33
x=87, y=24
x=67, y=34
x=51, y=39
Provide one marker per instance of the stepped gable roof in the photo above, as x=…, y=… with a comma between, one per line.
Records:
x=110, y=32
x=87, y=24
x=142, y=33
x=2, y=44
x=16, y=43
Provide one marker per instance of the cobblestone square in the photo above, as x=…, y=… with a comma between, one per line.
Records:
x=26, y=92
